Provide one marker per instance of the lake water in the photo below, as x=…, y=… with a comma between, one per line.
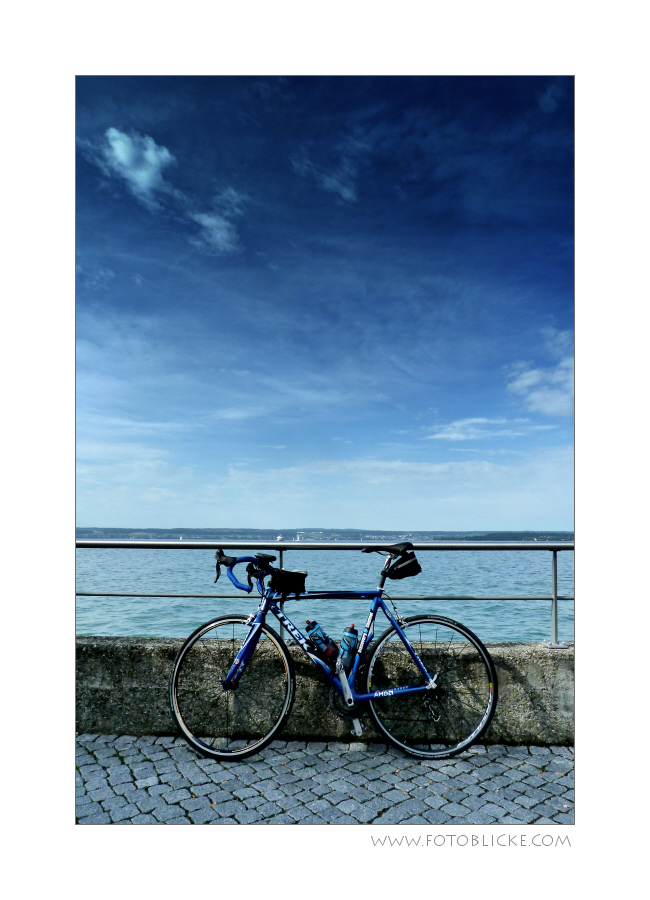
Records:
x=474, y=573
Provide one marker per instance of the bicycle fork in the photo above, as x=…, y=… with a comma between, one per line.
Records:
x=244, y=653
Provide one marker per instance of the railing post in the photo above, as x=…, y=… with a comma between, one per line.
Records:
x=281, y=604
x=554, y=644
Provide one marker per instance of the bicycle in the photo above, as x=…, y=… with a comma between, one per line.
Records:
x=429, y=684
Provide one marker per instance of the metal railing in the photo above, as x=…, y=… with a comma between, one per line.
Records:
x=553, y=547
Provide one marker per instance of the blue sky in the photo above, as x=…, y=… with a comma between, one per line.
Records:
x=334, y=302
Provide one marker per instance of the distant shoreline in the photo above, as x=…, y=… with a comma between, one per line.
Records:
x=314, y=534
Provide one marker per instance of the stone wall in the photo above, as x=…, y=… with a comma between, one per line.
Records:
x=123, y=688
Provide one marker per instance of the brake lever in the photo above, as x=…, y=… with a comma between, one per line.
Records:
x=224, y=560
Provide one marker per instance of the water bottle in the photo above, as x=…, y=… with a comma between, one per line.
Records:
x=325, y=646
x=348, y=645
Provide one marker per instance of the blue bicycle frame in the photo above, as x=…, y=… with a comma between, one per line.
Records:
x=268, y=604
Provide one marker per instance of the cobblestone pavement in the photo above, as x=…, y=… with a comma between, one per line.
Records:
x=160, y=780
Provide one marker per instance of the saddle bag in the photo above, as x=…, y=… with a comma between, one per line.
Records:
x=284, y=582
x=404, y=566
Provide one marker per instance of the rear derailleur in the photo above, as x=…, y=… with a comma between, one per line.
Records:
x=432, y=712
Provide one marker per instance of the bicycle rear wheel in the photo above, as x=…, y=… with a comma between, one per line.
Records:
x=231, y=724
x=441, y=721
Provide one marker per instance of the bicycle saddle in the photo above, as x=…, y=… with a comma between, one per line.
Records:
x=397, y=549
x=265, y=557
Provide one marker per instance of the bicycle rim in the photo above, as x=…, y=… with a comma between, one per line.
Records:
x=441, y=721
x=236, y=723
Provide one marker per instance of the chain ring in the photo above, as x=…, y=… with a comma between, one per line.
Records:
x=340, y=708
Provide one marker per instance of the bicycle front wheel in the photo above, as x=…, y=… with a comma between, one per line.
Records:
x=440, y=721
x=235, y=723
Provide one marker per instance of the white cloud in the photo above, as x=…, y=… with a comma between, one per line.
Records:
x=140, y=162
x=216, y=232
x=550, y=99
x=339, y=177
x=341, y=181
x=104, y=452
x=94, y=277
x=558, y=343
x=338, y=180
x=547, y=391
x=129, y=478
x=92, y=423
x=130, y=483
x=231, y=202
x=239, y=413
x=534, y=490
x=482, y=428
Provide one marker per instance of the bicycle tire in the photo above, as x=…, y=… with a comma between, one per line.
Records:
x=233, y=724
x=440, y=722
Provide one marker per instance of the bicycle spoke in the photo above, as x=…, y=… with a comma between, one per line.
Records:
x=454, y=713
x=238, y=721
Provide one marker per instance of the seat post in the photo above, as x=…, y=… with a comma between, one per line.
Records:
x=382, y=578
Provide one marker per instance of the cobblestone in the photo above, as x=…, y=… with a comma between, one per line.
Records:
x=165, y=813
x=102, y=794
x=122, y=813
x=176, y=796
x=159, y=780
x=552, y=787
x=114, y=803
x=96, y=819
x=96, y=784
x=86, y=807
x=249, y=817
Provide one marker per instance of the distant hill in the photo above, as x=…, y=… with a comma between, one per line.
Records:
x=312, y=534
